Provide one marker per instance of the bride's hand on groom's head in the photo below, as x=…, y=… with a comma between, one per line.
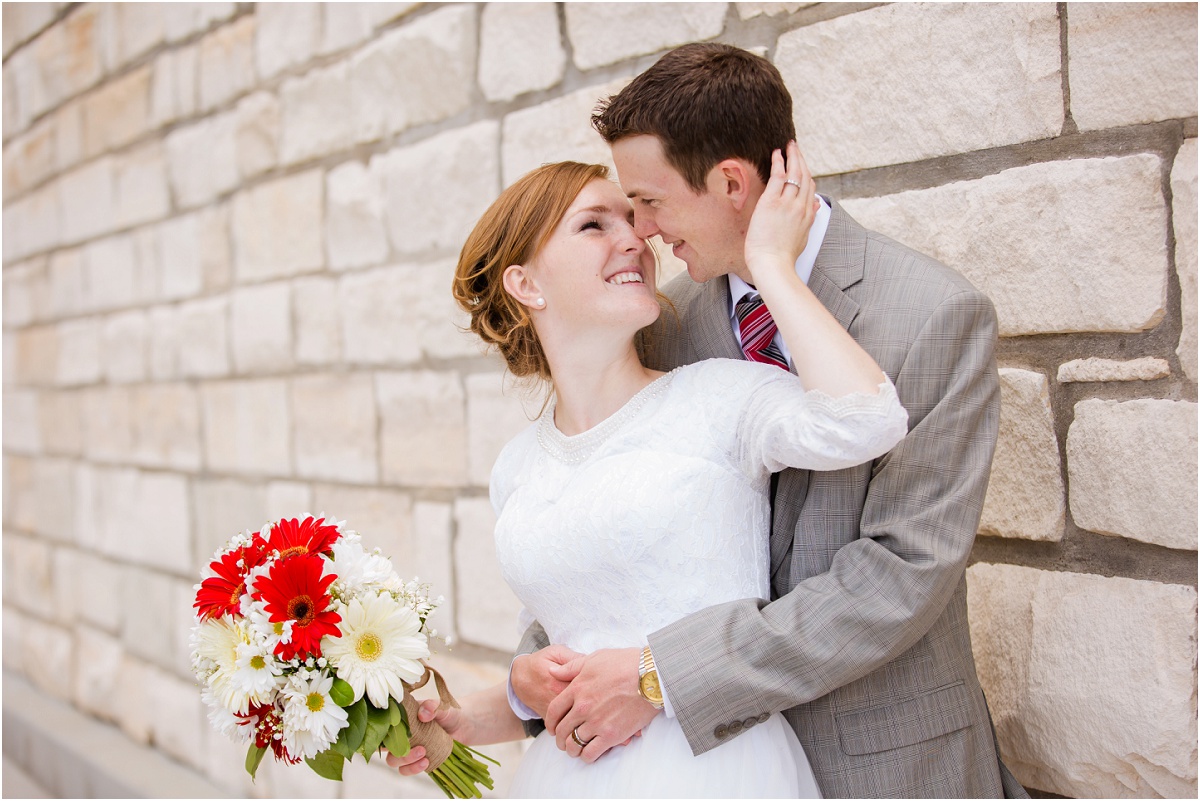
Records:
x=538, y=678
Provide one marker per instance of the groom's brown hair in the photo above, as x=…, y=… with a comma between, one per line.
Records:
x=705, y=102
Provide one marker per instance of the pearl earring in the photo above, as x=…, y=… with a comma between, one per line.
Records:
x=541, y=302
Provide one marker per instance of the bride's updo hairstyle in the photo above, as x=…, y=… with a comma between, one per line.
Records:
x=512, y=231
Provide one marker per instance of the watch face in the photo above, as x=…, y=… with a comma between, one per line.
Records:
x=650, y=688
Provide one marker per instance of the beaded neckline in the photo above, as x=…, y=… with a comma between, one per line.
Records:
x=573, y=450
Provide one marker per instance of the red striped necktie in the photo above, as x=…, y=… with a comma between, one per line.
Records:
x=758, y=332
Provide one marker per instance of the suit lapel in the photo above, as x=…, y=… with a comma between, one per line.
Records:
x=712, y=330
x=839, y=265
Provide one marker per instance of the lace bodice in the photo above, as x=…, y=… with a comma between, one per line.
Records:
x=662, y=510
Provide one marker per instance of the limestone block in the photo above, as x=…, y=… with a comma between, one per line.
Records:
x=423, y=435
x=605, y=33
x=520, y=49
x=354, y=220
x=26, y=292
x=98, y=659
x=47, y=657
x=179, y=719
x=30, y=573
x=180, y=248
x=380, y=321
x=437, y=189
x=487, y=609
x=227, y=62
x=142, y=518
x=63, y=571
x=203, y=347
x=79, y=359
x=107, y=426
x=60, y=420
x=18, y=483
x=98, y=604
x=261, y=328
x=224, y=508
x=53, y=501
x=288, y=499
x=68, y=140
x=135, y=708
x=110, y=275
x=37, y=355
x=68, y=58
x=22, y=21
x=164, y=342
x=1125, y=459
x=146, y=626
x=444, y=331
x=433, y=562
x=277, y=228
x=497, y=410
x=557, y=130
x=319, y=332
x=174, y=86
x=166, y=426
x=139, y=27
x=14, y=119
x=220, y=752
x=335, y=428
x=1091, y=680
x=216, y=247
x=858, y=78
x=30, y=159
x=36, y=222
x=1131, y=63
x=21, y=425
x=247, y=427
x=117, y=113
x=1025, y=497
x=181, y=20
x=415, y=74
x=258, y=129
x=141, y=186
x=1094, y=369
x=1183, y=194
x=124, y=347
x=1091, y=257
x=347, y=24
x=751, y=10
x=202, y=160
x=382, y=516
x=287, y=35
x=317, y=114
x=87, y=198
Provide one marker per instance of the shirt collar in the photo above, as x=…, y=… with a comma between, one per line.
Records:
x=738, y=288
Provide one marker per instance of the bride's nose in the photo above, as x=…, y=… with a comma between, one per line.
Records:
x=630, y=241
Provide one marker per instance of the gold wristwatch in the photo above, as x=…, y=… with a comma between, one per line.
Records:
x=648, y=686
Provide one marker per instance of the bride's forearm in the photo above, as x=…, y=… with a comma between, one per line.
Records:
x=491, y=719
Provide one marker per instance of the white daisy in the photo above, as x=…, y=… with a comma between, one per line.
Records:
x=215, y=650
x=262, y=629
x=257, y=672
x=356, y=568
x=224, y=721
x=380, y=644
x=311, y=720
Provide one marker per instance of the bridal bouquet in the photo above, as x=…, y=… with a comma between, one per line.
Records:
x=309, y=646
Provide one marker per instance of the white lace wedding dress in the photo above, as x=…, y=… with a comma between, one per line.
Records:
x=657, y=512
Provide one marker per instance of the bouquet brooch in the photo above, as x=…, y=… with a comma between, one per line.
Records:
x=309, y=646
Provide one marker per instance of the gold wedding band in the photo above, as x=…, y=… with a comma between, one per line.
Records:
x=575, y=737
x=793, y=182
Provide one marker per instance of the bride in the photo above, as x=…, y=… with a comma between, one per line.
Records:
x=640, y=497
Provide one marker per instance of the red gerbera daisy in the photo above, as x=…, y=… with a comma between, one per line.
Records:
x=294, y=590
x=292, y=537
x=219, y=595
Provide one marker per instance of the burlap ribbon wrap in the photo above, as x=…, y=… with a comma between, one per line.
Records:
x=430, y=736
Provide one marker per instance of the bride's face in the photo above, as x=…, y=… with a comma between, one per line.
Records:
x=595, y=270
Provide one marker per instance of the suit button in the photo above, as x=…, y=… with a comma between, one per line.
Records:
x=721, y=732
x=750, y=723
x=763, y=717
x=735, y=727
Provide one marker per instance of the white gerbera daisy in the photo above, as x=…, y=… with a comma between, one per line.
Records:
x=224, y=721
x=380, y=644
x=356, y=568
x=262, y=629
x=215, y=645
x=257, y=672
x=311, y=720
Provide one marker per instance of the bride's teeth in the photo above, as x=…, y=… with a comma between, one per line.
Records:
x=625, y=278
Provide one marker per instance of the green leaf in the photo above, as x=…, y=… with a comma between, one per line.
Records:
x=254, y=758
x=396, y=712
x=378, y=723
x=351, y=737
x=327, y=764
x=396, y=740
x=342, y=693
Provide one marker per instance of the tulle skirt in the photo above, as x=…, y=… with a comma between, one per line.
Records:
x=766, y=761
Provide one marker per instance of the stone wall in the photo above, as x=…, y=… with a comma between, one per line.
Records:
x=228, y=232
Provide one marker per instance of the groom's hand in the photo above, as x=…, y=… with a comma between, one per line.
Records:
x=533, y=681
x=602, y=702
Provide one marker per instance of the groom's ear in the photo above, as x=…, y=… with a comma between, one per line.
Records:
x=522, y=285
x=732, y=179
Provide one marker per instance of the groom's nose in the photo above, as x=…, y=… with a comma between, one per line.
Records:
x=644, y=225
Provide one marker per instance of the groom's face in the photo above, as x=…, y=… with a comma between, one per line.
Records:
x=699, y=227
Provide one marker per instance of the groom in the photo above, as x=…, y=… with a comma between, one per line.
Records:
x=864, y=647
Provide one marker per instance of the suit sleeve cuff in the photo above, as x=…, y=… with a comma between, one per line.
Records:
x=519, y=709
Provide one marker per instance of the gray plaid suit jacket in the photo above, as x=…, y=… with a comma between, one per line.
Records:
x=865, y=646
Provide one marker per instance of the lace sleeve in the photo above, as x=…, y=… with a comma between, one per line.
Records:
x=783, y=426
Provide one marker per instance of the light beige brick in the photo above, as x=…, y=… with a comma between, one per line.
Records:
x=382, y=516
x=1183, y=199
x=97, y=601
x=487, y=608
x=109, y=274
x=247, y=427
x=139, y=28
x=141, y=186
x=98, y=661
x=261, y=328
x=147, y=630
x=60, y=420
x=37, y=355
x=423, y=431
x=347, y=24
x=107, y=426
x=87, y=198
x=354, y=222
x=47, y=657
x=520, y=49
x=68, y=58
x=202, y=160
x=179, y=719
x=557, y=130
x=180, y=245
x=166, y=426
x=203, y=349
x=227, y=62
x=225, y=508
x=1090, y=679
x=288, y=499
x=30, y=159
x=30, y=573
x=443, y=330
x=22, y=21
x=79, y=352
x=68, y=129
x=317, y=323
x=26, y=292
x=497, y=410
x=858, y=77
x=53, y=500
x=318, y=114
x=278, y=228
x=1094, y=369
x=751, y=10
x=164, y=343
x=140, y=517
x=1091, y=257
x=1124, y=459
x=1131, y=63
x=433, y=561
x=379, y=322
x=117, y=113
x=174, y=86
x=335, y=428
x=22, y=432
x=38, y=221
x=135, y=707
x=181, y=20
x=64, y=571
x=258, y=131
x=605, y=33
x=287, y=35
